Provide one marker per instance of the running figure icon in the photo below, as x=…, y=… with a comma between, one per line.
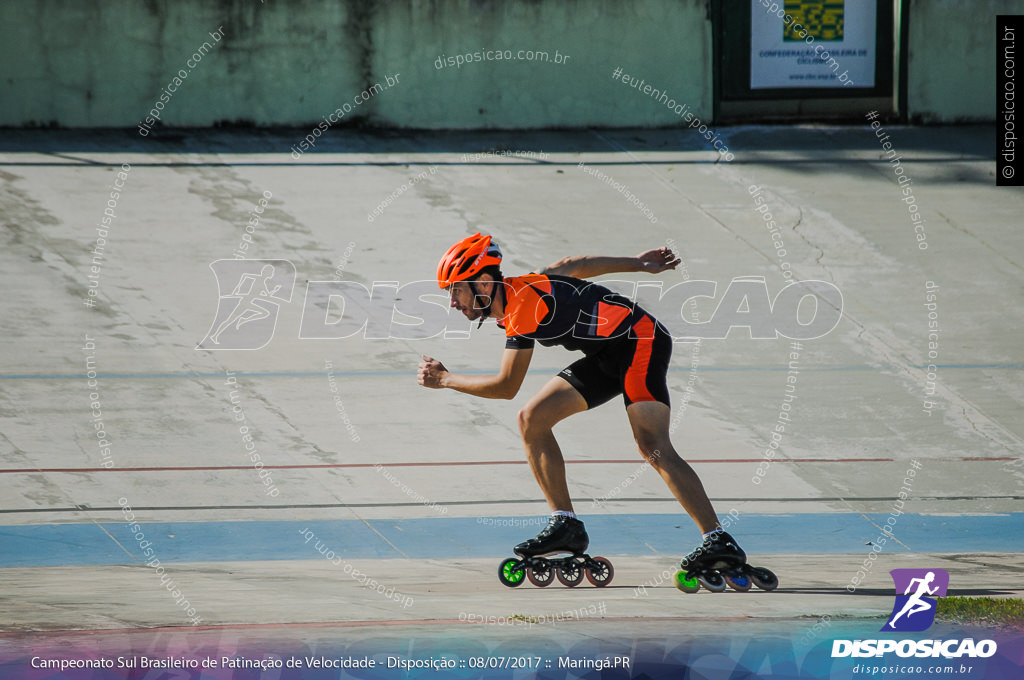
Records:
x=250, y=297
x=916, y=604
x=252, y=305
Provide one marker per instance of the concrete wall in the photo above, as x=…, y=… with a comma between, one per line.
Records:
x=951, y=72
x=106, y=62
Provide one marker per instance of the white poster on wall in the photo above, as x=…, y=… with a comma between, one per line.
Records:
x=799, y=43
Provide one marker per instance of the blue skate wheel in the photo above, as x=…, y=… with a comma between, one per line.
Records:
x=738, y=581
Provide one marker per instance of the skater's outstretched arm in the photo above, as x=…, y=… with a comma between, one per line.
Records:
x=586, y=266
x=504, y=385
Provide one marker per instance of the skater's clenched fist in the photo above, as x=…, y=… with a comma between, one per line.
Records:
x=431, y=372
x=658, y=260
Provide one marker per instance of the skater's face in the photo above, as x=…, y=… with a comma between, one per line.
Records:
x=463, y=299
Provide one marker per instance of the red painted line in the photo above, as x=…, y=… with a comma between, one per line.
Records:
x=978, y=458
x=698, y=461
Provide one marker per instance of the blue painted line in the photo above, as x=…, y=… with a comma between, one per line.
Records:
x=450, y=537
x=357, y=374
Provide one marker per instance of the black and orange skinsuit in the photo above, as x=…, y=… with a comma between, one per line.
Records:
x=627, y=351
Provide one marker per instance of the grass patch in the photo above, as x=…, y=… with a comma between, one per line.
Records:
x=987, y=611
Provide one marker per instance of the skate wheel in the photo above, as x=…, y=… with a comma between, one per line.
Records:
x=509, y=575
x=570, y=573
x=540, y=573
x=713, y=581
x=687, y=585
x=738, y=581
x=600, y=571
x=764, y=578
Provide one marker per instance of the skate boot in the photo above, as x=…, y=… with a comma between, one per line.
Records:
x=719, y=562
x=561, y=535
x=718, y=551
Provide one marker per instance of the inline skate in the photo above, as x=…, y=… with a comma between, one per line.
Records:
x=719, y=562
x=561, y=535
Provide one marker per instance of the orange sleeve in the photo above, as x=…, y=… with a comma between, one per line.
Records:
x=527, y=306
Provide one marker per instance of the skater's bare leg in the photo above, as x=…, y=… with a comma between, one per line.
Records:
x=556, y=401
x=650, y=420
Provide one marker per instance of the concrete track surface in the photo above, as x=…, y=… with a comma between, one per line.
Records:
x=381, y=509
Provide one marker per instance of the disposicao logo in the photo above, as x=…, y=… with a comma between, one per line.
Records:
x=914, y=611
x=251, y=295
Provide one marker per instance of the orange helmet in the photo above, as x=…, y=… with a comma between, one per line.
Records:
x=466, y=259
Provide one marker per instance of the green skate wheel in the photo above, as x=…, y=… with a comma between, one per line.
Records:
x=687, y=585
x=509, y=575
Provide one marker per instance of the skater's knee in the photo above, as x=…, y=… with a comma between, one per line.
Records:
x=531, y=422
x=523, y=419
x=651, y=448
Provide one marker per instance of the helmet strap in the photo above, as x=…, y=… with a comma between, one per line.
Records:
x=486, y=308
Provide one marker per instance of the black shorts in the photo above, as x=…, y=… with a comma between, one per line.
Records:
x=634, y=366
